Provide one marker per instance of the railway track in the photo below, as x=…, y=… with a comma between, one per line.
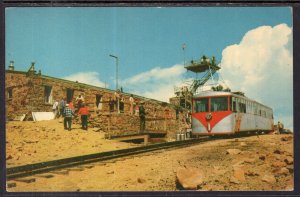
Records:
x=48, y=166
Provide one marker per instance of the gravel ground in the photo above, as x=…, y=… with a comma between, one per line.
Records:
x=256, y=163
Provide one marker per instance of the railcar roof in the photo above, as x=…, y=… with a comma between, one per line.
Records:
x=212, y=93
x=220, y=93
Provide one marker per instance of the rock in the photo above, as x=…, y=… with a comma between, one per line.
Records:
x=262, y=157
x=9, y=157
x=26, y=180
x=278, y=164
x=291, y=168
x=251, y=173
x=243, y=144
x=287, y=138
x=189, y=178
x=269, y=179
x=237, y=164
x=140, y=180
x=289, y=160
x=278, y=151
x=111, y=172
x=249, y=160
x=234, y=180
x=233, y=151
x=45, y=175
x=239, y=174
x=283, y=171
x=11, y=184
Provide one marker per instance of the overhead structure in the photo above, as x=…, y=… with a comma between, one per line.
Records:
x=206, y=66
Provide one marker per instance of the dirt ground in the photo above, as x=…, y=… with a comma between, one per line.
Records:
x=32, y=142
x=256, y=163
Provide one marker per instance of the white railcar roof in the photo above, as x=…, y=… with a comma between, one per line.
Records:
x=212, y=93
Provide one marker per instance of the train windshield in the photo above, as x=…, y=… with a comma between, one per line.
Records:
x=201, y=105
x=219, y=104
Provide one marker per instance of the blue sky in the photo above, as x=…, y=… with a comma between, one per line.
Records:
x=75, y=43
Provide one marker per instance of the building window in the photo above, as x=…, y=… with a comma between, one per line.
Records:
x=48, y=94
x=9, y=93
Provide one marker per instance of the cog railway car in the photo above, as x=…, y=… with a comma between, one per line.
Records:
x=220, y=113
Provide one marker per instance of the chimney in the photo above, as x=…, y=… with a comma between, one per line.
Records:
x=11, y=66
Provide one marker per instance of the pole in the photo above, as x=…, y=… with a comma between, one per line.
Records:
x=117, y=62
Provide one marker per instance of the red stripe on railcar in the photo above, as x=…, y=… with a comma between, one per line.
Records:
x=216, y=117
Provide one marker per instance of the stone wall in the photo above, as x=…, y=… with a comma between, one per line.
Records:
x=25, y=93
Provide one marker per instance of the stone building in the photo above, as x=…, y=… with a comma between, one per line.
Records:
x=31, y=91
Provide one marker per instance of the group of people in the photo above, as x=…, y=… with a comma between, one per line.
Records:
x=118, y=102
x=66, y=110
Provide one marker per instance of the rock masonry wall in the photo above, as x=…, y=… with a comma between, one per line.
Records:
x=27, y=94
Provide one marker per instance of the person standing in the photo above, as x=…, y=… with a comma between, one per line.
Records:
x=55, y=109
x=111, y=104
x=122, y=104
x=280, y=127
x=131, y=101
x=71, y=105
x=68, y=113
x=84, y=112
x=79, y=101
x=62, y=107
x=142, y=115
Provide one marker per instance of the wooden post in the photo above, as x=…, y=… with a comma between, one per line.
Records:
x=109, y=131
x=146, y=138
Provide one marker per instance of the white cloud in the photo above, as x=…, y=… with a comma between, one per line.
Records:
x=261, y=65
x=157, y=83
x=91, y=78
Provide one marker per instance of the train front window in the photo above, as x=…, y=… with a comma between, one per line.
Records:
x=201, y=105
x=219, y=104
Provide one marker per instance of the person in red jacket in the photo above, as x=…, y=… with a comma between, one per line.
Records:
x=83, y=111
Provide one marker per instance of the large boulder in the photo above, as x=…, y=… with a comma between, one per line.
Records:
x=189, y=178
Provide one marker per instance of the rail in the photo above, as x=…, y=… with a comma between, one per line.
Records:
x=43, y=167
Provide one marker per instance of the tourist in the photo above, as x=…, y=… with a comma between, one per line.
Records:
x=83, y=112
x=79, y=100
x=111, y=104
x=71, y=105
x=122, y=104
x=61, y=107
x=68, y=113
x=131, y=101
x=55, y=109
x=142, y=117
x=280, y=127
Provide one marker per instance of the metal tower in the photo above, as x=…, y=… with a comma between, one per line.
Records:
x=206, y=66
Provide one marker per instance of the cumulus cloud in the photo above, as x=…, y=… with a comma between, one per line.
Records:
x=157, y=83
x=261, y=65
x=91, y=78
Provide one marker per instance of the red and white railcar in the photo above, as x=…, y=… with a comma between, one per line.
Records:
x=216, y=113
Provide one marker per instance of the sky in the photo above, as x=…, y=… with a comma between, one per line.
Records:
x=252, y=45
